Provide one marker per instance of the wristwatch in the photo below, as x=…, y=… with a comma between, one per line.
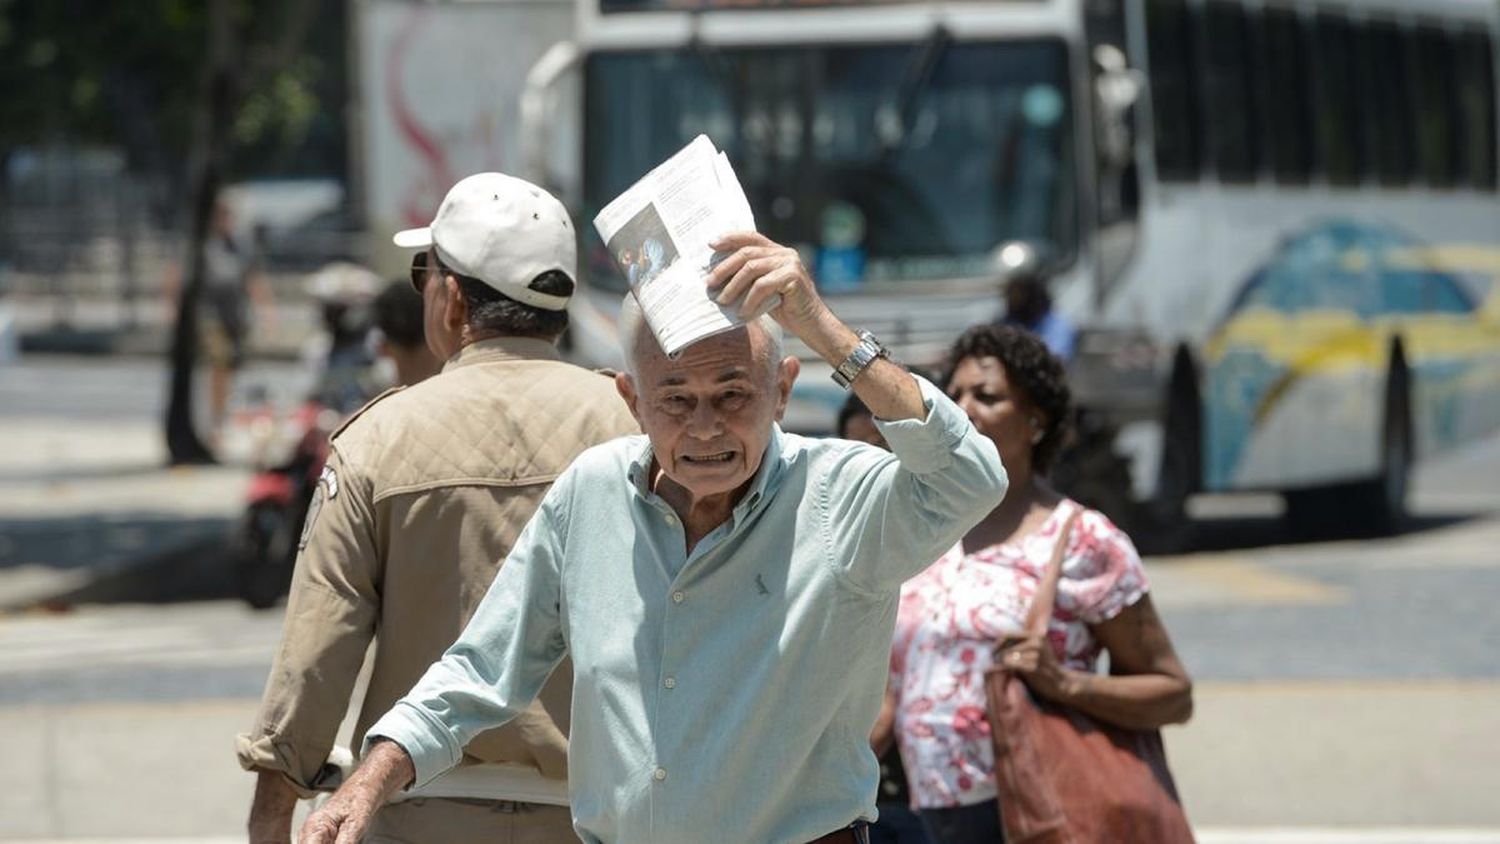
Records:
x=863, y=355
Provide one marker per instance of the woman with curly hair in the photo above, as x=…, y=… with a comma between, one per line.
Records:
x=965, y=612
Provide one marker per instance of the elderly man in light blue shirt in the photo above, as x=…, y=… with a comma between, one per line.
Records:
x=726, y=591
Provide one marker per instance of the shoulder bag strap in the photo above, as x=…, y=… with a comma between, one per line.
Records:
x=1040, y=613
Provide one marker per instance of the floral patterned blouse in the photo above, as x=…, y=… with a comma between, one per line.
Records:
x=954, y=613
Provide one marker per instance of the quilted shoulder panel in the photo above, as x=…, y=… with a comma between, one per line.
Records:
x=503, y=423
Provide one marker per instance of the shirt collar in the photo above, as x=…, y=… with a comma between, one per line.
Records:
x=503, y=348
x=767, y=476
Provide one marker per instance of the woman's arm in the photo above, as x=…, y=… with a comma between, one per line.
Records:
x=1147, y=686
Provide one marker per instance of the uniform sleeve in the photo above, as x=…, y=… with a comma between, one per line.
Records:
x=330, y=619
x=889, y=515
x=499, y=662
x=1102, y=574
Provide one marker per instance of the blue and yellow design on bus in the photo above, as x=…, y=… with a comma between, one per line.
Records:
x=1296, y=371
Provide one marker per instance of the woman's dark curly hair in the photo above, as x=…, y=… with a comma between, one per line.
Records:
x=1032, y=370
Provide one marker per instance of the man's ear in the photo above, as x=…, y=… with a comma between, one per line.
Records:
x=455, y=307
x=786, y=375
x=626, y=387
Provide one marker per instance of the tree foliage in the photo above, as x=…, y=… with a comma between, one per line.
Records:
x=130, y=75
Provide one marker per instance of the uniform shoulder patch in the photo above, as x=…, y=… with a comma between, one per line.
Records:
x=358, y=413
x=326, y=490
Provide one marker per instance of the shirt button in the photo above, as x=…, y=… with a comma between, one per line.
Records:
x=678, y=597
x=670, y=682
x=671, y=519
x=661, y=774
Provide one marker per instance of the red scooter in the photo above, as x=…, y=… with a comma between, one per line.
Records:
x=289, y=449
x=265, y=539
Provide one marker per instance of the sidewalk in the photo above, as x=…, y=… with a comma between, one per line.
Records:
x=101, y=326
x=87, y=506
x=1273, y=763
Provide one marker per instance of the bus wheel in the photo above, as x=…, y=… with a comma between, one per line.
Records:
x=1165, y=526
x=1382, y=500
x=1094, y=475
x=1374, y=507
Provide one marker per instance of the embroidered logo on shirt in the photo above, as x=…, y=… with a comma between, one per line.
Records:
x=761, y=586
x=328, y=489
x=330, y=479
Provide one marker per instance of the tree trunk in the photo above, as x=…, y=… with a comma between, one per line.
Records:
x=184, y=446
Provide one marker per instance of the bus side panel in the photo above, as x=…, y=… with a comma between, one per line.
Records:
x=1294, y=300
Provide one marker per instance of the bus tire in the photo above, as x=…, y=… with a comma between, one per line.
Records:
x=1165, y=526
x=1093, y=474
x=1381, y=501
x=1372, y=507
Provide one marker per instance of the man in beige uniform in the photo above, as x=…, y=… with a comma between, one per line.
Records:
x=425, y=491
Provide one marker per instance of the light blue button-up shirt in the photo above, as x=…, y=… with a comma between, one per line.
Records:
x=725, y=694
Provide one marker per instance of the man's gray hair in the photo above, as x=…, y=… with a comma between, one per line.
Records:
x=633, y=322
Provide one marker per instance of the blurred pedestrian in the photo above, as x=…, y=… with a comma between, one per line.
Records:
x=424, y=493
x=897, y=823
x=975, y=598
x=400, y=337
x=231, y=279
x=727, y=591
x=341, y=355
x=1028, y=303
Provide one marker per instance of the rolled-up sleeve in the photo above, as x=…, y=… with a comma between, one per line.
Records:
x=499, y=662
x=330, y=619
x=889, y=515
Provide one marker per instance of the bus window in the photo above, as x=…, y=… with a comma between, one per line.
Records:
x=1401, y=291
x=1171, y=56
x=1476, y=110
x=1441, y=294
x=1287, y=128
x=1338, y=128
x=1433, y=66
x=838, y=153
x=1230, y=95
x=1383, y=71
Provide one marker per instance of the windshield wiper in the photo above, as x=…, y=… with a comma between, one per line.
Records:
x=914, y=83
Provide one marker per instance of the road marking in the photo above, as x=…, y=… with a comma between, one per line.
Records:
x=1215, y=580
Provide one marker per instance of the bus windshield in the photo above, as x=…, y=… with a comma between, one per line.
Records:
x=888, y=164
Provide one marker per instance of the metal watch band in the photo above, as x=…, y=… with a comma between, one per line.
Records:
x=863, y=355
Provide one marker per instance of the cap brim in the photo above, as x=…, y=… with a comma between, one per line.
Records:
x=414, y=238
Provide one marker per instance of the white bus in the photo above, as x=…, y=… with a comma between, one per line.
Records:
x=1274, y=223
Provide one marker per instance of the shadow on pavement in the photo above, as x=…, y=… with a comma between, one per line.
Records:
x=134, y=557
x=1235, y=533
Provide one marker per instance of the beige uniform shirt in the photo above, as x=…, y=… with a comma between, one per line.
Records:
x=426, y=490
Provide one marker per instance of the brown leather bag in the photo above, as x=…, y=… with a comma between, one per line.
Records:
x=1066, y=778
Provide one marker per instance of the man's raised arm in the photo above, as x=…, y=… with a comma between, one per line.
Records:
x=757, y=270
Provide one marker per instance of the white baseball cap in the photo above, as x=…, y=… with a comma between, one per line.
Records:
x=503, y=231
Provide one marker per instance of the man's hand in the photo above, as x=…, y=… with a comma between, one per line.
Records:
x=756, y=271
x=760, y=276
x=271, y=812
x=345, y=818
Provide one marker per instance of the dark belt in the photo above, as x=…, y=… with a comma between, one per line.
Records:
x=858, y=833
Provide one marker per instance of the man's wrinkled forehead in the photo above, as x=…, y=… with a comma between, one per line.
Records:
x=704, y=364
x=722, y=357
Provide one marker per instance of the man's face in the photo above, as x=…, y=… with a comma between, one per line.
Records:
x=709, y=412
x=442, y=341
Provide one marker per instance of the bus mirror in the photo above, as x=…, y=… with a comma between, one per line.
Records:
x=1117, y=88
x=549, y=131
